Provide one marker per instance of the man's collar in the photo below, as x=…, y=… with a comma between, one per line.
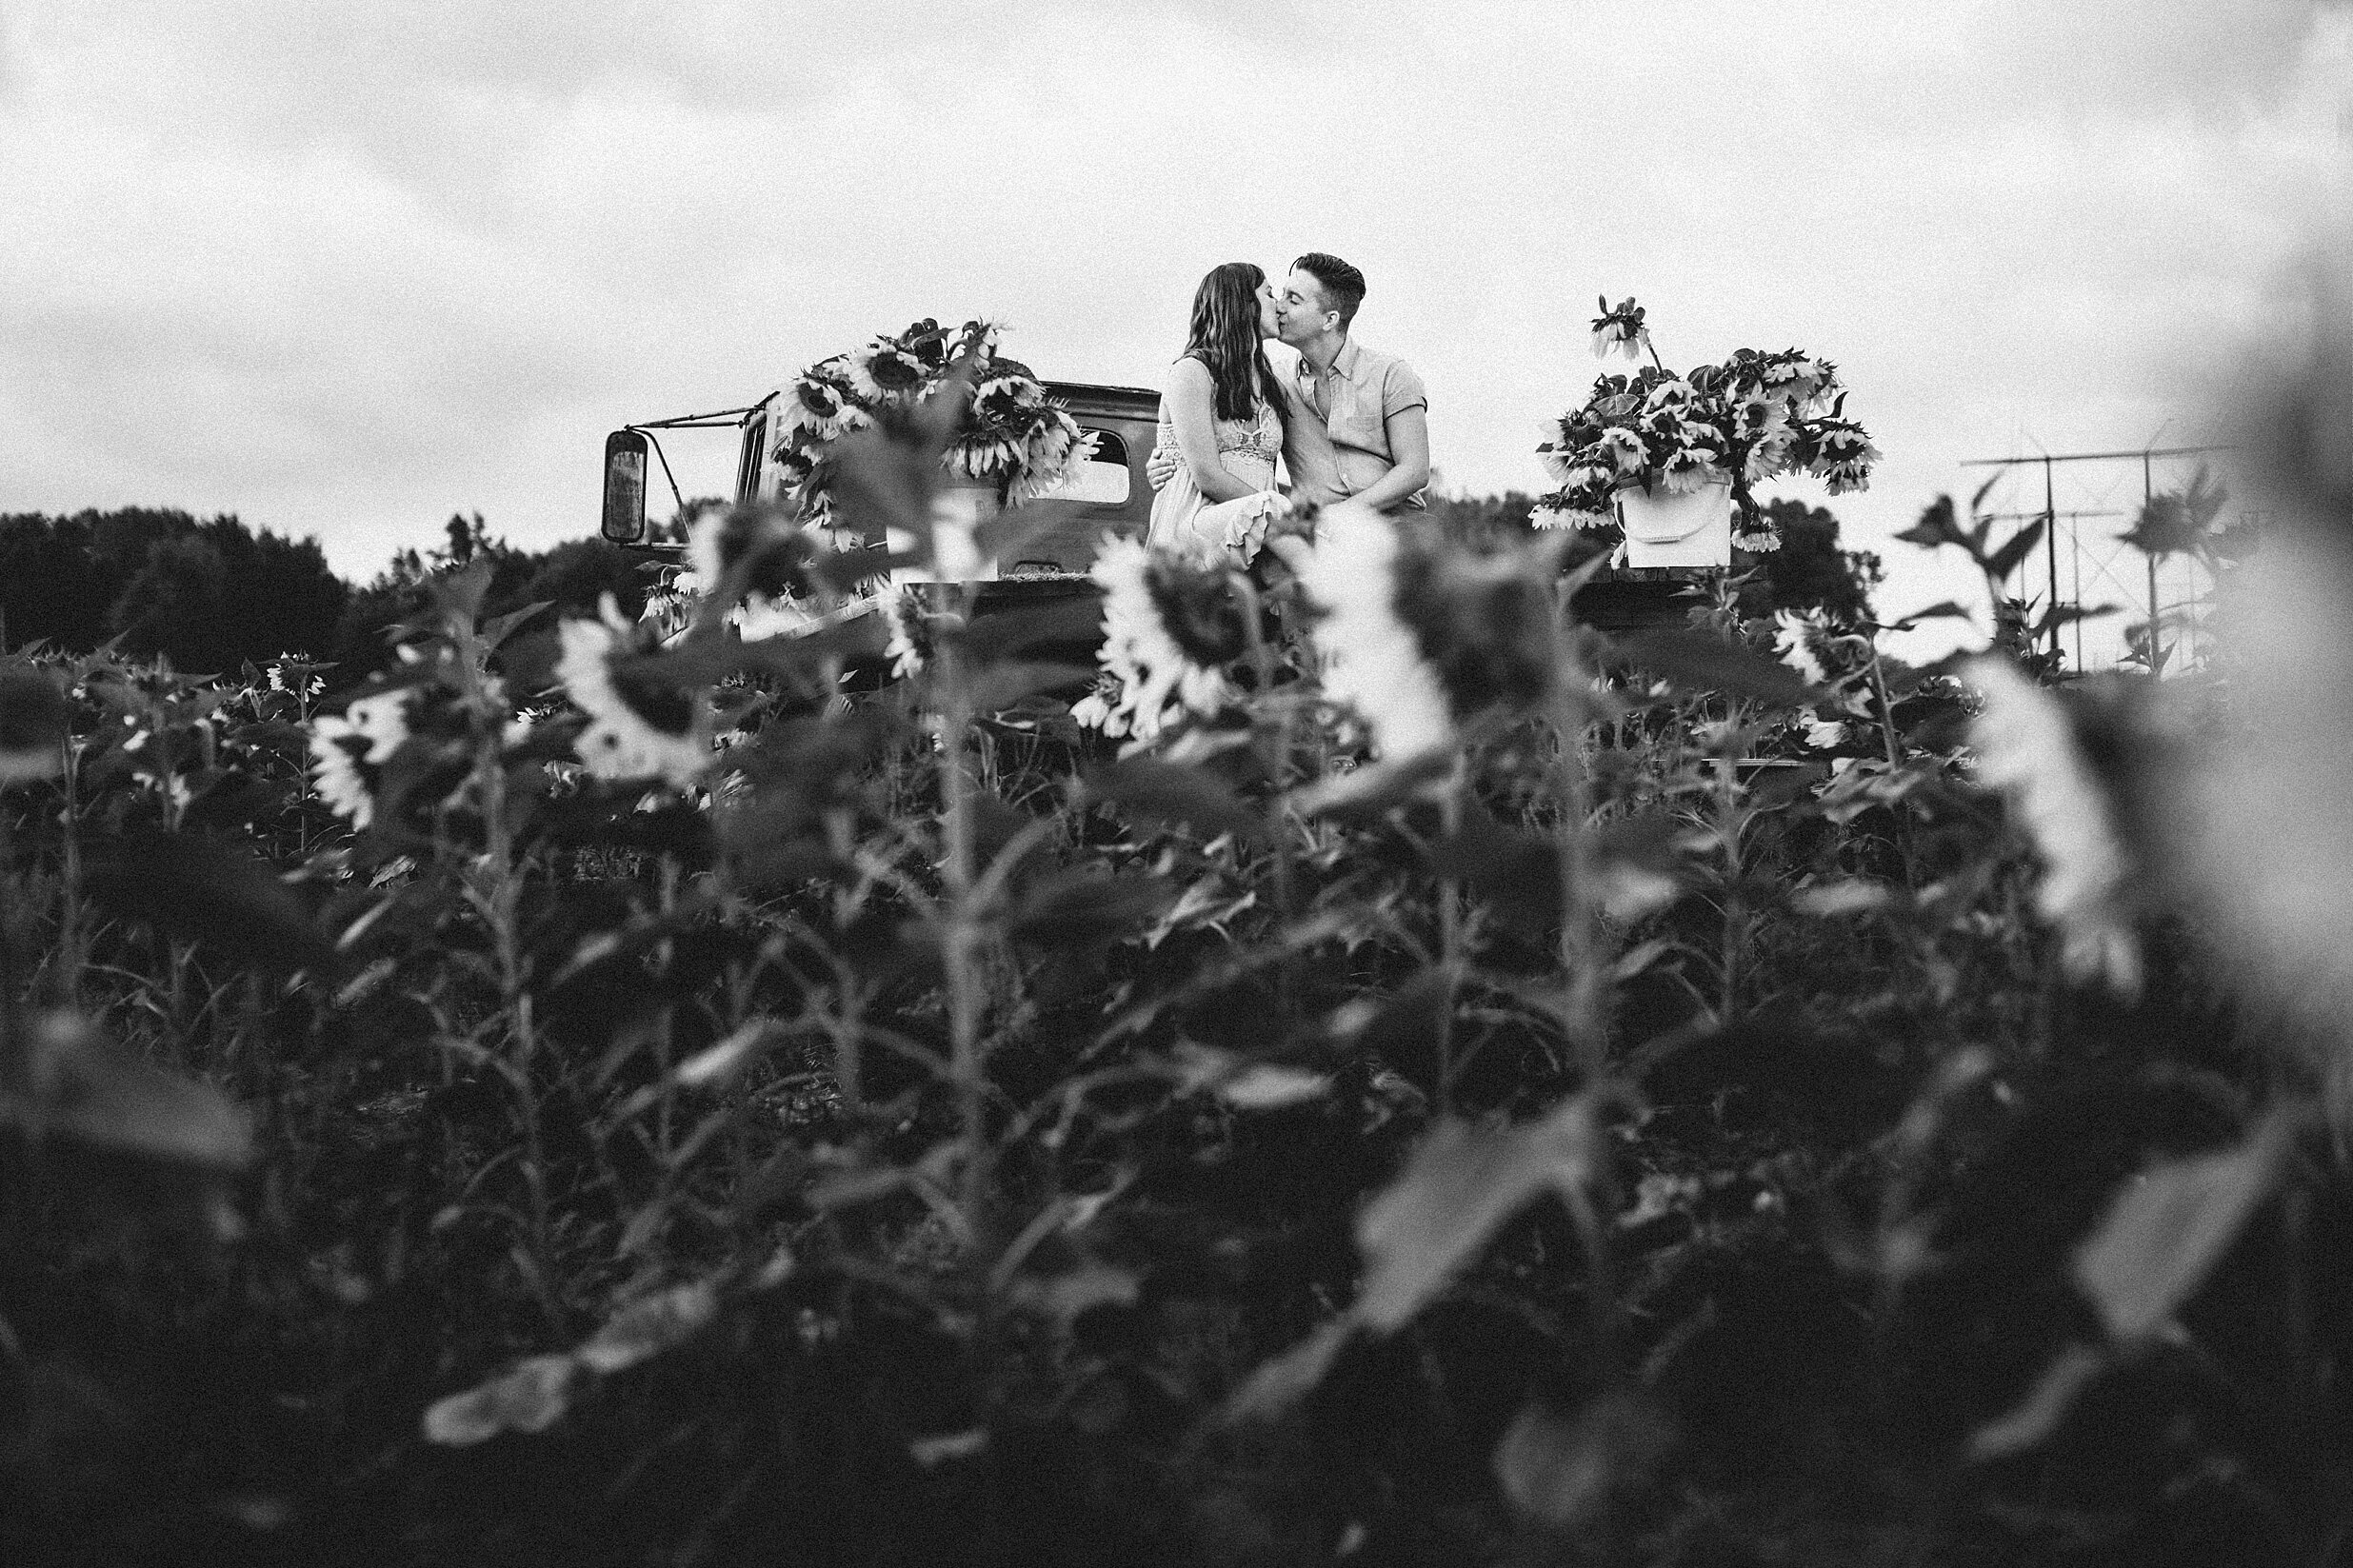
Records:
x=1344, y=363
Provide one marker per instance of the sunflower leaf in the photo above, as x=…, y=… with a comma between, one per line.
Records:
x=1697, y=662
x=1461, y=1186
x=90, y=1090
x=2169, y=1226
x=1517, y=873
x=2021, y=545
x=1075, y=619
x=1002, y=686
x=1075, y=908
x=499, y=627
x=532, y=1396
x=212, y=894
x=1158, y=791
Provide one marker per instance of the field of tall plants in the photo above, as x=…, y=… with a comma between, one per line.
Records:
x=1389, y=1074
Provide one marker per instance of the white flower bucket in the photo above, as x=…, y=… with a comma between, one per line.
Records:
x=1666, y=529
x=957, y=512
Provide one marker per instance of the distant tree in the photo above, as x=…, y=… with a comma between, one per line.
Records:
x=1810, y=571
x=173, y=607
x=1484, y=520
x=53, y=588
x=208, y=595
x=572, y=576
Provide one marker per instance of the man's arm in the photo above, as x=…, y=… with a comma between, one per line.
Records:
x=1409, y=434
x=1162, y=466
x=1307, y=453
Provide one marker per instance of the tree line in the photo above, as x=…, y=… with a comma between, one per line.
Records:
x=211, y=595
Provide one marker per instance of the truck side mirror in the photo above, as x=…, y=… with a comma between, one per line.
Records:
x=625, y=487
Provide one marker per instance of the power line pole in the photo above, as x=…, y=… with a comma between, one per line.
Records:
x=2148, y=491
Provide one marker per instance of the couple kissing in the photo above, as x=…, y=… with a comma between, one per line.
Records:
x=1347, y=421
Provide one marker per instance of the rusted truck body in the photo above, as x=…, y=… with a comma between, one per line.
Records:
x=1108, y=494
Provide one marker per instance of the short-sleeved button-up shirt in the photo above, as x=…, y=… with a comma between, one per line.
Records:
x=1355, y=398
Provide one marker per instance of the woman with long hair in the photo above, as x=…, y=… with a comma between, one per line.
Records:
x=1222, y=415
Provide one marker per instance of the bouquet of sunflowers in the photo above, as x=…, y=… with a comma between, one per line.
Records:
x=1755, y=417
x=1012, y=436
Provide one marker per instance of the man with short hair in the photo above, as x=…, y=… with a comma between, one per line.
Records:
x=1369, y=404
x=1355, y=425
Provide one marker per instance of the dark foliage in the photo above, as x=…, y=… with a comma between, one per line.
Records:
x=208, y=595
x=1810, y=571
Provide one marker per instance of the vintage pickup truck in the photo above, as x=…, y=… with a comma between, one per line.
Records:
x=1108, y=495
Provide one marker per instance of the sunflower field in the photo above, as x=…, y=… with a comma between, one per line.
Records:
x=1369, y=1069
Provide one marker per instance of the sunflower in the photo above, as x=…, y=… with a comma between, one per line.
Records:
x=1007, y=398
x=639, y=725
x=1824, y=734
x=810, y=415
x=1688, y=469
x=984, y=455
x=1674, y=392
x=1056, y=444
x=349, y=752
x=1414, y=638
x=884, y=372
x=1170, y=625
x=1798, y=638
x=1621, y=328
x=738, y=551
x=2026, y=748
x=1623, y=449
x=758, y=618
x=1100, y=708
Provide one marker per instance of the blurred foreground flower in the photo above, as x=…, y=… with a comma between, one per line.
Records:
x=639, y=725
x=1797, y=638
x=33, y=723
x=2027, y=748
x=1416, y=637
x=1170, y=627
x=910, y=648
x=349, y=752
x=747, y=550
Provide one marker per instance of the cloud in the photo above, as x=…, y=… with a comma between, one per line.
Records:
x=347, y=268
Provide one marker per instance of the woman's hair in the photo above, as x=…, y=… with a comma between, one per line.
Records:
x=1224, y=338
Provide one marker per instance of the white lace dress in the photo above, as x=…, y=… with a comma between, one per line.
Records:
x=1183, y=518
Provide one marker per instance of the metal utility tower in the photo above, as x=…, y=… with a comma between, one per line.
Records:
x=2051, y=515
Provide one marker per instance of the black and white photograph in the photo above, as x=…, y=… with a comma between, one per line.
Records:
x=1500, y=783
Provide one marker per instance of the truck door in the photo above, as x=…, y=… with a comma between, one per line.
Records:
x=751, y=461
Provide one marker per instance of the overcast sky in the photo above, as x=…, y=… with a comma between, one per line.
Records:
x=343, y=269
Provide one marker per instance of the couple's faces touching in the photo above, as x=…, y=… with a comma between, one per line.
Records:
x=1295, y=312
x=1270, y=311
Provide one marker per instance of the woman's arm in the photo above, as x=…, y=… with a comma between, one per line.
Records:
x=1192, y=402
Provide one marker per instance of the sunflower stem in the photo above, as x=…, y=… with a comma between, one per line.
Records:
x=962, y=936
x=1263, y=665
x=1450, y=954
x=1581, y=988
x=15, y=1049
x=501, y=909
x=72, y=943
x=1734, y=906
